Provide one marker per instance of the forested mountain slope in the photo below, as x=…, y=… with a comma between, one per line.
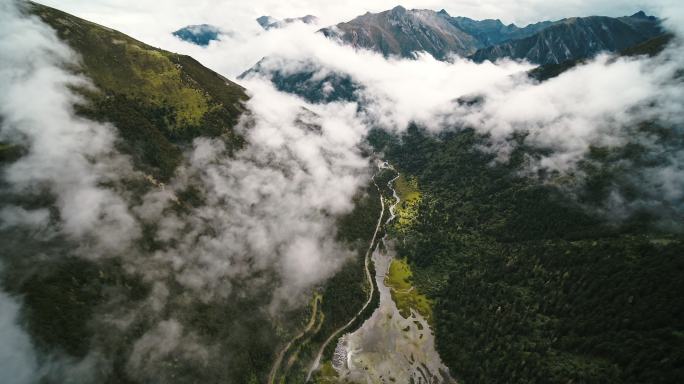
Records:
x=531, y=285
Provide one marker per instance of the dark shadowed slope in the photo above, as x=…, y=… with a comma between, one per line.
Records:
x=650, y=47
x=576, y=38
x=528, y=286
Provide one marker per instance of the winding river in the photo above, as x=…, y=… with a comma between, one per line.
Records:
x=366, y=263
x=389, y=348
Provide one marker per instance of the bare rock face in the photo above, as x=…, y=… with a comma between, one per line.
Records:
x=402, y=32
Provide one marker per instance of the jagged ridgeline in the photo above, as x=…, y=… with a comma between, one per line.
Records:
x=158, y=100
x=402, y=32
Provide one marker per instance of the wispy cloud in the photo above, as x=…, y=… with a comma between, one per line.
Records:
x=601, y=103
x=67, y=156
x=18, y=361
x=272, y=206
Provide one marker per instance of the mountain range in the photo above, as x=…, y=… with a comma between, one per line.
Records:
x=555, y=46
x=402, y=32
x=574, y=38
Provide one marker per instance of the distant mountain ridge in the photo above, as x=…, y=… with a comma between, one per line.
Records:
x=490, y=31
x=575, y=38
x=201, y=34
x=402, y=32
x=268, y=22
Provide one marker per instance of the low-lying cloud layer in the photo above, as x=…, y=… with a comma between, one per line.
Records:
x=18, y=361
x=593, y=104
x=603, y=103
x=272, y=205
x=606, y=103
x=66, y=155
x=395, y=92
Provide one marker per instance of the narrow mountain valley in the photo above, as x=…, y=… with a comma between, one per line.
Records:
x=408, y=196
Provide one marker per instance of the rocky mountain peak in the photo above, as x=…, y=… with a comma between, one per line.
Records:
x=402, y=32
x=398, y=10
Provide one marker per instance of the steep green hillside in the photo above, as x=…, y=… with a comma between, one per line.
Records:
x=158, y=100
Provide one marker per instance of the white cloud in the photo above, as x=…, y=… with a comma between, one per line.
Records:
x=66, y=155
x=600, y=103
x=271, y=207
x=17, y=216
x=18, y=361
x=166, y=341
